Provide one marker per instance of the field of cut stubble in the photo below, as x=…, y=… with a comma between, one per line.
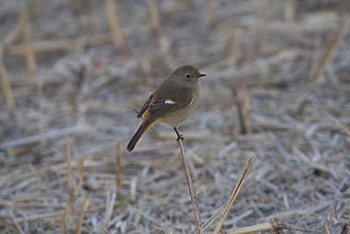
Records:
x=277, y=88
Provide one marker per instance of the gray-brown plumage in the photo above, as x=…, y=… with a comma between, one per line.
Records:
x=173, y=101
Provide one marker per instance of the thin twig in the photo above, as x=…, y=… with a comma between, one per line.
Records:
x=154, y=18
x=13, y=35
x=41, y=125
x=27, y=34
x=234, y=194
x=33, y=9
x=243, y=105
x=119, y=165
x=233, y=47
x=110, y=202
x=80, y=164
x=327, y=56
x=115, y=27
x=5, y=84
x=195, y=207
x=70, y=205
x=212, y=217
x=252, y=229
x=83, y=209
x=211, y=12
x=63, y=223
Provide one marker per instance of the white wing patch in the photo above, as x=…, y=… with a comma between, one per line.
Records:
x=169, y=101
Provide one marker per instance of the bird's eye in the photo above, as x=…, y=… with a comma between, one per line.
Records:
x=188, y=76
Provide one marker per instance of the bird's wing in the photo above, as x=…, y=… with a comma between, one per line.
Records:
x=144, y=107
x=163, y=104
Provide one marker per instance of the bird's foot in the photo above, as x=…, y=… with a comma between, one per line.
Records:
x=179, y=137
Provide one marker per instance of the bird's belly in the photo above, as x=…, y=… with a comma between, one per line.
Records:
x=178, y=117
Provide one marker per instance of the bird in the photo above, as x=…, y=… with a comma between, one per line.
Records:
x=172, y=102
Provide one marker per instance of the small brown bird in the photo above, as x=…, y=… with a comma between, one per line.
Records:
x=172, y=103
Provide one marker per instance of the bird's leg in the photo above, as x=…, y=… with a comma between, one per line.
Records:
x=179, y=136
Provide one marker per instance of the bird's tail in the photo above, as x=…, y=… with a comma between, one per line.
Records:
x=132, y=143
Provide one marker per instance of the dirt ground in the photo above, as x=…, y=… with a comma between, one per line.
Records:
x=277, y=88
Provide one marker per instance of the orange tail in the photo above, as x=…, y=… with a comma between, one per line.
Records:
x=132, y=143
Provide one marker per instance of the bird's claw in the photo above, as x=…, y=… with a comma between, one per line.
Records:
x=180, y=137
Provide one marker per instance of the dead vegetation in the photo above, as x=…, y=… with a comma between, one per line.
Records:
x=277, y=87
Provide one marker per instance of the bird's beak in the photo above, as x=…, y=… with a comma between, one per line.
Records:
x=201, y=75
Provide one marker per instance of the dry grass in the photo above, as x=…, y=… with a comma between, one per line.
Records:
x=72, y=72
